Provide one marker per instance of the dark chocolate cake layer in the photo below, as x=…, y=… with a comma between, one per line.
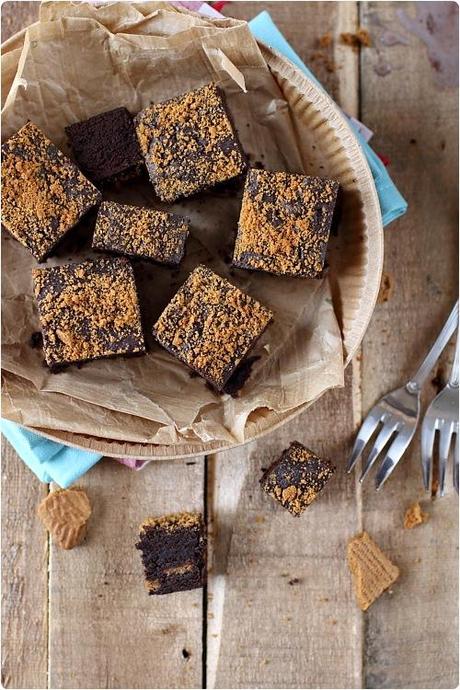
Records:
x=173, y=552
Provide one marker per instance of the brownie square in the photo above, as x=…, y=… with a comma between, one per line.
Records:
x=284, y=223
x=141, y=232
x=88, y=311
x=43, y=193
x=189, y=143
x=296, y=478
x=211, y=325
x=173, y=552
x=105, y=146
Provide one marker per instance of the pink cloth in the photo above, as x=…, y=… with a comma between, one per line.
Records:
x=132, y=463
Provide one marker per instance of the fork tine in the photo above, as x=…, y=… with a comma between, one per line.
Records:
x=428, y=434
x=385, y=433
x=456, y=457
x=445, y=438
x=367, y=429
x=393, y=456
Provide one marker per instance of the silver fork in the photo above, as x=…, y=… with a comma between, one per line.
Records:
x=442, y=417
x=396, y=414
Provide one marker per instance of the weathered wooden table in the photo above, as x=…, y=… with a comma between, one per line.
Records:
x=279, y=610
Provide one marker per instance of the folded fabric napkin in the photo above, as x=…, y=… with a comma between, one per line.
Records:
x=392, y=203
x=52, y=461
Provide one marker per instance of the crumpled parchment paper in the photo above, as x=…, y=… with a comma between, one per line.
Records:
x=80, y=60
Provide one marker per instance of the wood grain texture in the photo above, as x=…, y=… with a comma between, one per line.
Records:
x=24, y=577
x=412, y=636
x=261, y=630
x=281, y=611
x=105, y=630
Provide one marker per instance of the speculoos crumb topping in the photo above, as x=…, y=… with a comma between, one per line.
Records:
x=188, y=143
x=43, y=193
x=88, y=310
x=210, y=325
x=137, y=231
x=284, y=223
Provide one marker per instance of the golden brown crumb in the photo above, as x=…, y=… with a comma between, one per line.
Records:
x=386, y=288
x=356, y=40
x=284, y=223
x=325, y=40
x=43, y=193
x=414, y=516
x=210, y=325
x=188, y=143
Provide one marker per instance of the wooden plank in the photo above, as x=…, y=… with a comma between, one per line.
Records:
x=280, y=607
x=281, y=611
x=24, y=577
x=412, y=636
x=105, y=631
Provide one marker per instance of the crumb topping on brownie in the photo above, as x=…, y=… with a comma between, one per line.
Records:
x=210, y=325
x=140, y=231
x=284, y=223
x=88, y=310
x=296, y=478
x=173, y=521
x=189, y=143
x=43, y=193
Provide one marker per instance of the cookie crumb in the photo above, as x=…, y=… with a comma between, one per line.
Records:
x=414, y=516
x=386, y=288
x=360, y=38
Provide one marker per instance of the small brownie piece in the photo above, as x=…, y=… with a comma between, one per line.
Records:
x=88, y=310
x=173, y=552
x=105, y=146
x=142, y=232
x=211, y=325
x=189, y=143
x=43, y=193
x=284, y=223
x=296, y=478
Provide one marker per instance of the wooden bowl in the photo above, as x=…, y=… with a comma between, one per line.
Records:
x=355, y=255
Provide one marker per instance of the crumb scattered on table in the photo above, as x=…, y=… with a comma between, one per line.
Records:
x=325, y=40
x=360, y=38
x=414, y=516
x=386, y=288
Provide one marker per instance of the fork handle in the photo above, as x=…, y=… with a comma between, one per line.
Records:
x=453, y=379
x=417, y=381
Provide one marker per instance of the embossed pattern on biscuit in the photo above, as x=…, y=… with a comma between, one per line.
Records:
x=65, y=514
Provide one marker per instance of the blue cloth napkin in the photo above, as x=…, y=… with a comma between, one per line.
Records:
x=50, y=461
x=392, y=204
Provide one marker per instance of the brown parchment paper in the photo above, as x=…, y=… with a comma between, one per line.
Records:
x=80, y=60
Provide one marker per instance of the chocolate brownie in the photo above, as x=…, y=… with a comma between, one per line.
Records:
x=189, y=143
x=88, y=310
x=284, y=223
x=173, y=552
x=211, y=325
x=44, y=194
x=296, y=478
x=142, y=232
x=105, y=146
